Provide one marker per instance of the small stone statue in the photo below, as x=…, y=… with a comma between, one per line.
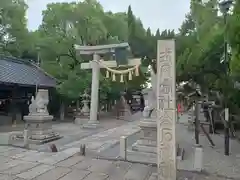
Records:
x=42, y=101
x=32, y=107
x=85, y=109
x=146, y=112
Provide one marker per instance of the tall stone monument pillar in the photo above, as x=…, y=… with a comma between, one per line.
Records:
x=166, y=110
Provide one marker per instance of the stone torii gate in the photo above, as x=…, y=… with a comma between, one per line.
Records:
x=96, y=51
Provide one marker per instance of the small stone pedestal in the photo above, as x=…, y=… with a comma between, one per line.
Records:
x=40, y=129
x=80, y=120
x=148, y=139
x=145, y=149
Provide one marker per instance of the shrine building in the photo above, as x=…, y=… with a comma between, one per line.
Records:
x=19, y=80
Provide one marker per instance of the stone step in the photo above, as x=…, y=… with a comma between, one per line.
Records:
x=142, y=148
x=141, y=157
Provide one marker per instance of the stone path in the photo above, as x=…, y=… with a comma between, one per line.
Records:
x=106, y=139
x=22, y=164
x=18, y=164
x=74, y=133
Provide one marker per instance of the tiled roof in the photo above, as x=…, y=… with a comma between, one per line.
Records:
x=22, y=72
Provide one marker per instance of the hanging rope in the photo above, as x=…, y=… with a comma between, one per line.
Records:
x=125, y=71
x=128, y=71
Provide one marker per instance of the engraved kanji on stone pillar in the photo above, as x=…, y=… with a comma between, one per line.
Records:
x=166, y=110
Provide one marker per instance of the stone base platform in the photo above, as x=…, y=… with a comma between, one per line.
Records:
x=41, y=138
x=45, y=138
x=144, y=148
x=91, y=125
x=39, y=128
x=81, y=120
x=141, y=157
x=148, y=154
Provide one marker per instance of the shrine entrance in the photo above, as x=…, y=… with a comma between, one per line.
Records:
x=119, y=51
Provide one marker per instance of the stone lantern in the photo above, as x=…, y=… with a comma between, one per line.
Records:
x=83, y=115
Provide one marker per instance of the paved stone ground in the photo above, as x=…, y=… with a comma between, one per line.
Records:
x=74, y=135
x=214, y=160
x=18, y=164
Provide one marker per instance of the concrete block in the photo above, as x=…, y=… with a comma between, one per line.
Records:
x=123, y=147
x=4, y=139
x=198, y=159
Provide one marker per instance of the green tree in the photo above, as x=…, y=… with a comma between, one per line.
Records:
x=13, y=30
x=83, y=23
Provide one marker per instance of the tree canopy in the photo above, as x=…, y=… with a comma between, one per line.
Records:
x=199, y=44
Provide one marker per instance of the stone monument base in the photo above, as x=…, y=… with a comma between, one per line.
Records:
x=81, y=120
x=141, y=157
x=146, y=147
x=40, y=129
x=91, y=125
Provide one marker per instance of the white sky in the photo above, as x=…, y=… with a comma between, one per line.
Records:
x=162, y=14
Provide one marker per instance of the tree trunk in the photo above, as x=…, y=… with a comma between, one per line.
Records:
x=77, y=105
x=62, y=111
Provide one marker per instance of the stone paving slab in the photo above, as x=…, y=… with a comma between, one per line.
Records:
x=100, y=166
x=5, y=148
x=36, y=156
x=34, y=172
x=4, y=159
x=76, y=175
x=138, y=172
x=7, y=177
x=60, y=156
x=9, y=164
x=117, y=170
x=54, y=174
x=84, y=165
x=12, y=152
x=70, y=161
x=24, y=166
x=96, y=176
x=24, y=154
